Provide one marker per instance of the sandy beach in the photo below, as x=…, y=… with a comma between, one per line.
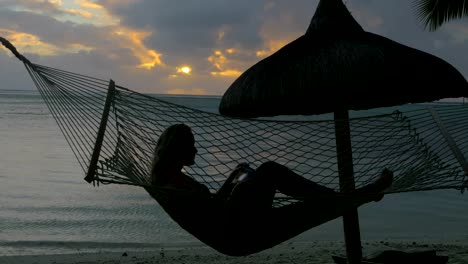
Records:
x=290, y=252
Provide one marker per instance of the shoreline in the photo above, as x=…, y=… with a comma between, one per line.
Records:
x=288, y=252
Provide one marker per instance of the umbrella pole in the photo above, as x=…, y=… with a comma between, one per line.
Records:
x=347, y=184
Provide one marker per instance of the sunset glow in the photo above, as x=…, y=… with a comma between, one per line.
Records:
x=89, y=4
x=182, y=48
x=187, y=91
x=185, y=70
x=271, y=47
x=227, y=73
x=133, y=40
x=221, y=63
x=29, y=43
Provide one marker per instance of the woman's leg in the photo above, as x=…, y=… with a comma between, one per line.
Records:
x=292, y=184
x=288, y=182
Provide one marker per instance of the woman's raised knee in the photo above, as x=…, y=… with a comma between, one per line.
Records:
x=271, y=167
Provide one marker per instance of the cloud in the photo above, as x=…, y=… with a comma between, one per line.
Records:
x=190, y=32
x=40, y=6
x=54, y=37
x=190, y=24
x=143, y=44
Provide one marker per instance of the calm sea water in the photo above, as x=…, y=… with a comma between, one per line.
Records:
x=46, y=207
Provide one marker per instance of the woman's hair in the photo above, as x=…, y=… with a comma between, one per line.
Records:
x=169, y=147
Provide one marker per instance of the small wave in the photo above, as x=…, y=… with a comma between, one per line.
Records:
x=38, y=247
x=29, y=113
x=76, y=244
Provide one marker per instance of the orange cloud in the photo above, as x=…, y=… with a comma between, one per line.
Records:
x=56, y=8
x=76, y=47
x=231, y=50
x=77, y=11
x=227, y=73
x=277, y=32
x=187, y=91
x=217, y=59
x=133, y=40
x=271, y=47
x=80, y=13
x=89, y=4
x=28, y=43
x=121, y=37
x=220, y=62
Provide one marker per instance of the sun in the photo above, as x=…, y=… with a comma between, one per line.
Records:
x=184, y=69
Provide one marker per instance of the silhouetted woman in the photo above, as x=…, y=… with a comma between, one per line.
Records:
x=239, y=218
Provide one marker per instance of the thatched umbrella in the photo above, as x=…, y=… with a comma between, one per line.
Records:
x=335, y=67
x=337, y=64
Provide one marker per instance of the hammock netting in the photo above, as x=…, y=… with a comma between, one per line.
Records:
x=113, y=132
x=426, y=147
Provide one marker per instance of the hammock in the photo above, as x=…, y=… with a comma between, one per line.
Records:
x=113, y=131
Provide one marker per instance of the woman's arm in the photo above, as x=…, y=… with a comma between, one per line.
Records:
x=228, y=185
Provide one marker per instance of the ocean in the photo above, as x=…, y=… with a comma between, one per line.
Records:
x=46, y=207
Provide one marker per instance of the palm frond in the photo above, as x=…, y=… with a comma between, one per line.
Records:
x=434, y=13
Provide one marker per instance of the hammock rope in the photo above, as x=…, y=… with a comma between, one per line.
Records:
x=113, y=131
x=412, y=143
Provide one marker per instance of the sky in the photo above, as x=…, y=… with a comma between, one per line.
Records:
x=189, y=46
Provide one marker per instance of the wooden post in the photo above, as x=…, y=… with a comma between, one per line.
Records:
x=100, y=134
x=347, y=184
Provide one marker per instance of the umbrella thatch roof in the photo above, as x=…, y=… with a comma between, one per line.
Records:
x=337, y=65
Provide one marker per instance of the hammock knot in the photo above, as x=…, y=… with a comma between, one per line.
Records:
x=398, y=115
x=13, y=50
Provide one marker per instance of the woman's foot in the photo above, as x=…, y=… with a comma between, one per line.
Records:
x=375, y=190
x=385, y=180
x=382, y=183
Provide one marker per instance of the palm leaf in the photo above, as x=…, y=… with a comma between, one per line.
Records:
x=434, y=13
